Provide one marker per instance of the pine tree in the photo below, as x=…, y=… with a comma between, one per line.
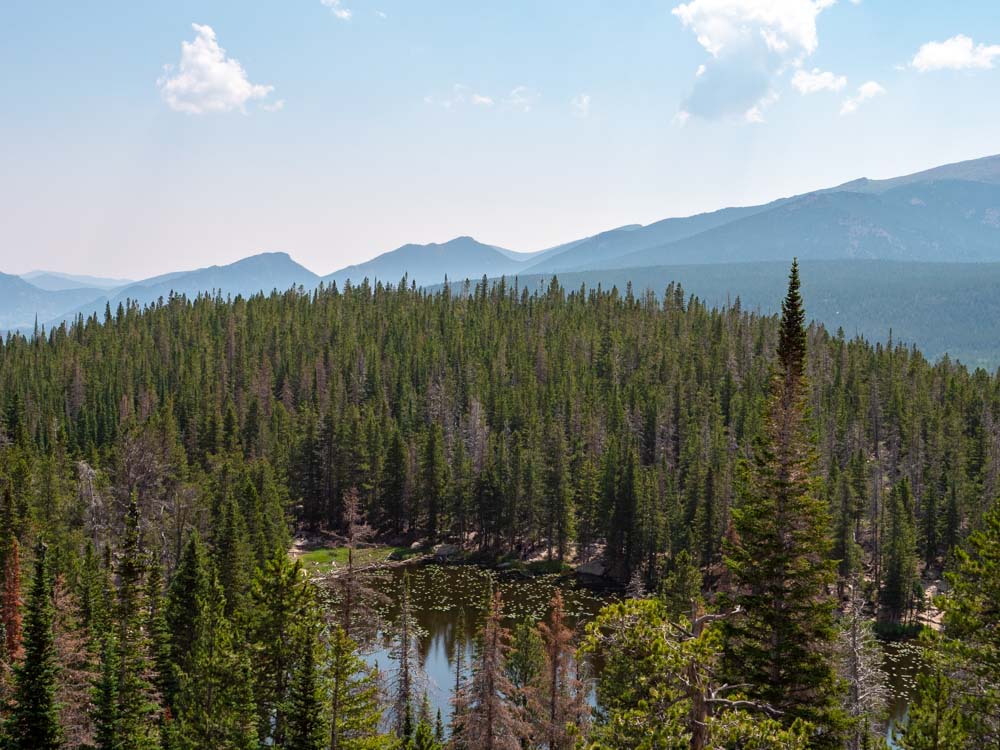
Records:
x=459, y=695
x=782, y=641
x=280, y=598
x=33, y=723
x=935, y=720
x=306, y=705
x=680, y=590
x=188, y=589
x=157, y=632
x=394, y=491
x=433, y=480
x=527, y=657
x=214, y=701
x=105, y=698
x=846, y=550
x=137, y=707
x=423, y=738
x=558, y=493
x=358, y=600
x=660, y=687
x=899, y=552
x=972, y=639
x=354, y=710
x=233, y=557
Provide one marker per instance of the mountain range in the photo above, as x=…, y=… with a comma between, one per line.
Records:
x=946, y=217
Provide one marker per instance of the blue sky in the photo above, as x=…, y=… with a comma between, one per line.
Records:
x=348, y=128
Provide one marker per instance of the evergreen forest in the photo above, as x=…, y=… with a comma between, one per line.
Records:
x=771, y=500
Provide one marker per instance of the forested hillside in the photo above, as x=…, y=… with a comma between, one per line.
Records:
x=764, y=478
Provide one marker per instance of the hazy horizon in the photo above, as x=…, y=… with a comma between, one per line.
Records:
x=140, y=140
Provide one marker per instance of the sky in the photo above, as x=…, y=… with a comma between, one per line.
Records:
x=138, y=138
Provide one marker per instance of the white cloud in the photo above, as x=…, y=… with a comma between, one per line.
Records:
x=206, y=80
x=276, y=107
x=756, y=113
x=784, y=25
x=522, y=98
x=866, y=91
x=344, y=14
x=461, y=94
x=814, y=81
x=581, y=105
x=750, y=42
x=957, y=53
x=681, y=118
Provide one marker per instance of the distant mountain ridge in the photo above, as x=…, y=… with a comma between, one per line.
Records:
x=258, y=273
x=22, y=304
x=946, y=214
x=55, y=281
x=986, y=169
x=460, y=258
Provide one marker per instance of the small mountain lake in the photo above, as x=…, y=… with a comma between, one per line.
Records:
x=449, y=604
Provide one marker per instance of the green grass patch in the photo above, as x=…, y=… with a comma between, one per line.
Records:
x=546, y=567
x=898, y=632
x=329, y=559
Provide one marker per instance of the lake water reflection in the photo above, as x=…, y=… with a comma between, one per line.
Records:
x=450, y=604
x=446, y=596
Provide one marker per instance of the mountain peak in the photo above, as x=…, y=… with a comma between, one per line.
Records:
x=984, y=169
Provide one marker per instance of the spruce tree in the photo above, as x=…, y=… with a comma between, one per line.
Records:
x=215, y=700
x=558, y=493
x=188, y=589
x=354, y=710
x=934, y=720
x=233, y=556
x=972, y=638
x=33, y=723
x=104, y=713
x=433, y=481
x=782, y=640
x=136, y=727
x=306, y=705
x=680, y=590
x=899, y=552
x=280, y=598
x=423, y=738
x=527, y=657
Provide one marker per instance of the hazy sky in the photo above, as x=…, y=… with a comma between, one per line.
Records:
x=142, y=137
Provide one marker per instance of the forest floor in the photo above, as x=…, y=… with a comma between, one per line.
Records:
x=932, y=616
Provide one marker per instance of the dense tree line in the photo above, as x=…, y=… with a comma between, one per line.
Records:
x=771, y=484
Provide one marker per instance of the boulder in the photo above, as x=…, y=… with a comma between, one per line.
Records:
x=446, y=551
x=595, y=568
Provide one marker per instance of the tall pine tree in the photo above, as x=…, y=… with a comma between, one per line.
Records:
x=782, y=640
x=33, y=723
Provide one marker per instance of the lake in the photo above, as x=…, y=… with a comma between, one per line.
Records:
x=443, y=596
